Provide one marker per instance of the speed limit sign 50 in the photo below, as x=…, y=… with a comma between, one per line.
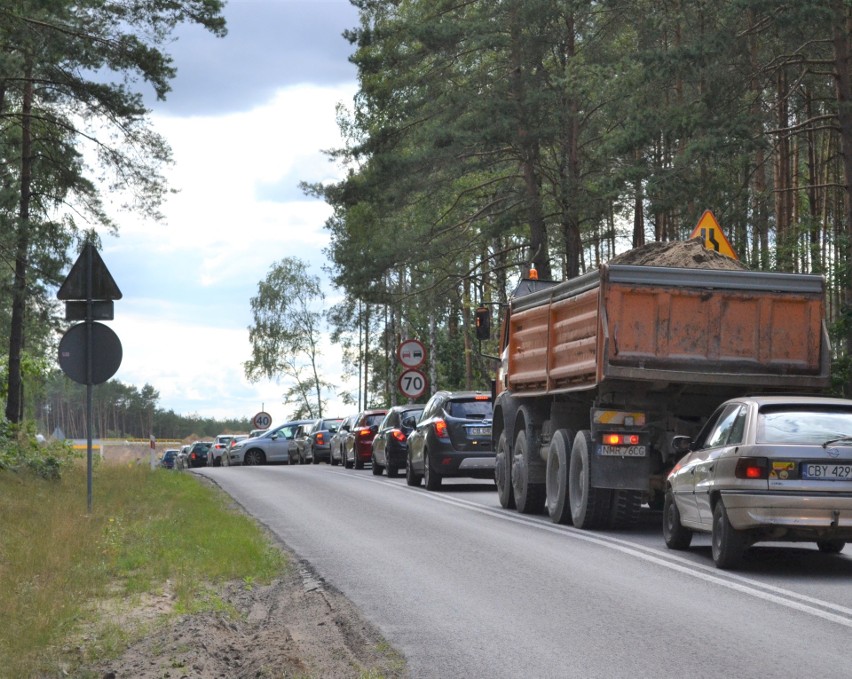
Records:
x=412, y=383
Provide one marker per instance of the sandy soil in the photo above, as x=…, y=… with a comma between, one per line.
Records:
x=297, y=626
x=689, y=254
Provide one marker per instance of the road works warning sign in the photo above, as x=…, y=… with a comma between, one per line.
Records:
x=711, y=233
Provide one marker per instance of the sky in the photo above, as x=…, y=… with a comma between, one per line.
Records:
x=248, y=118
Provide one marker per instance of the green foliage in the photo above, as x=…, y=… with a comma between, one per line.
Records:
x=22, y=450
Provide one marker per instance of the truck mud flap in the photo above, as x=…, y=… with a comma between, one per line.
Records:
x=623, y=473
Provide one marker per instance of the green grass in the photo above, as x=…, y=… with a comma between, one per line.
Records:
x=146, y=527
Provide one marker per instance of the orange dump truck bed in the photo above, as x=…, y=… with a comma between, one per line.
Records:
x=758, y=330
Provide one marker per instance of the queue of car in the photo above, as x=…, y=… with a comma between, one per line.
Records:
x=762, y=468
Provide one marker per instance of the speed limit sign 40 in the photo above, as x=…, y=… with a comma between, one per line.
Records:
x=262, y=420
x=412, y=383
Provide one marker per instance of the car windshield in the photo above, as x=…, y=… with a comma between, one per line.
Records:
x=471, y=410
x=803, y=425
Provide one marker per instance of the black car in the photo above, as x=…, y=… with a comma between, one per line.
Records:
x=197, y=456
x=390, y=446
x=452, y=438
x=320, y=438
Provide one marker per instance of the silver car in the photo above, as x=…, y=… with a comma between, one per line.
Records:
x=271, y=446
x=773, y=468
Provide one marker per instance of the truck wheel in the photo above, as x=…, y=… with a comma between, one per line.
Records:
x=529, y=496
x=590, y=507
x=674, y=533
x=503, y=473
x=728, y=544
x=831, y=546
x=624, y=511
x=556, y=478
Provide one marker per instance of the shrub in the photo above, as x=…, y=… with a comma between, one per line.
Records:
x=21, y=449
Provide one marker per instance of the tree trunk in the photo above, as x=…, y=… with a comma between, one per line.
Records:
x=15, y=397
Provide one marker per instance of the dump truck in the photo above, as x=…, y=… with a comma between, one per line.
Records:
x=600, y=373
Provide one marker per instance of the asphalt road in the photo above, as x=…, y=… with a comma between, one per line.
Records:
x=466, y=589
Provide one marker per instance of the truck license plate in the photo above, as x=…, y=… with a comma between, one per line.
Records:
x=623, y=451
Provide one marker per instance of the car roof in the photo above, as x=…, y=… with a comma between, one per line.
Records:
x=774, y=399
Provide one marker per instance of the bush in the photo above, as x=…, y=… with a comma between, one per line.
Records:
x=21, y=449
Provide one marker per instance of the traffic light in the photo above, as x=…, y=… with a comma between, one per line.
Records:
x=483, y=323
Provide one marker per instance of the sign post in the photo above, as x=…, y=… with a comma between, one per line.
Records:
x=89, y=353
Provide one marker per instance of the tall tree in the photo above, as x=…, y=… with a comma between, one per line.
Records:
x=54, y=103
x=286, y=333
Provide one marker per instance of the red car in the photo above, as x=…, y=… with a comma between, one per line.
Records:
x=359, y=443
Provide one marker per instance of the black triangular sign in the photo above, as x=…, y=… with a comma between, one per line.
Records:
x=103, y=286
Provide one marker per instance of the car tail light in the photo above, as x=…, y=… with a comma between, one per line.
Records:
x=482, y=397
x=621, y=439
x=441, y=429
x=320, y=439
x=752, y=468
x=398, y=435
x=363, y=432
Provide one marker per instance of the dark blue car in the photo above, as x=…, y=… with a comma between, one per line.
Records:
x=168, y=459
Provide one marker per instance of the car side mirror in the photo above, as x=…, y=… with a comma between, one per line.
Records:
x=409, y=422
x=681, y=444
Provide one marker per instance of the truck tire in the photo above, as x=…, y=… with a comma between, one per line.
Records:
x=529, y=496
x=503, y=473
x=590, y=507
x=625, y=508
x=556, y=477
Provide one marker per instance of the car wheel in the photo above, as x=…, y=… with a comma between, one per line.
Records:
x=529, y=495
x=728, y=544
x=377, y=468
x=358, y=463
x=412, y=478
x=253, y=457
x=430, y=476
x=392, y=471
x=556, y=478
x=675, y=535
x=331, y=459
x=315, y=458
x=503, y=473
x=590, y=506
x=346, y=462
x=831, y=546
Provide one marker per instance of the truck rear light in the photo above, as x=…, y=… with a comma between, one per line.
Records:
x=621, y=439
x=441, y=428
x=752, y=468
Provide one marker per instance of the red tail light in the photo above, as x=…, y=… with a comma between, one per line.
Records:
x=752, y=468
x=482, y=397
x=621, y=439
x=441, y=429
x=363, y=431
x=398, y=435
x=320, y=438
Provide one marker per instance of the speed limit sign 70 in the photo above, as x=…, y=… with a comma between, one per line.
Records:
x=412, y=383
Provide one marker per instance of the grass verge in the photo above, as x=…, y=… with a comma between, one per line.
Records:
x=148, y=530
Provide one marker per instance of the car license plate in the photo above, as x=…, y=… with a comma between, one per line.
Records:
x=480, y=431
x=623, y=451
x=827, y=472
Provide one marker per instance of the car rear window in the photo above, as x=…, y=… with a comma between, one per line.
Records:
x=803, y=425
x=370, y=420
x=471, y=410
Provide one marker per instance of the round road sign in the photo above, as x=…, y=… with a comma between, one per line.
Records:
x=106, y=353
x=411, y=353
x=412, y=383
x=262, y=420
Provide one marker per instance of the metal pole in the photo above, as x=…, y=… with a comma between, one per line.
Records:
x=89, y=422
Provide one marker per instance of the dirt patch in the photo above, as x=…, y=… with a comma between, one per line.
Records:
x=689, y=254
x=296, y=626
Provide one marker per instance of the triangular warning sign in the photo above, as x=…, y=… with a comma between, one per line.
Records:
x=712, y=235
x=75, y=286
